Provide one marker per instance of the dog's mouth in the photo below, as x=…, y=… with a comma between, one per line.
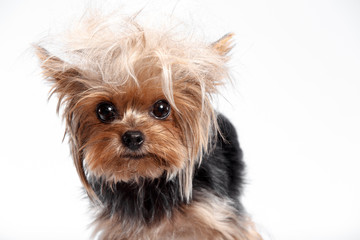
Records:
x=135, y=156
x=141, y=156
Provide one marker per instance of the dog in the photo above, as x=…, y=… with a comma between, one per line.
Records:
x=155, y=158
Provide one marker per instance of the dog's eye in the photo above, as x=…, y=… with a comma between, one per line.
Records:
x=106, y=112
x=161, y=109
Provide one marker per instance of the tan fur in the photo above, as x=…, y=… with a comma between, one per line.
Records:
x=207, y=218
x=224, y=45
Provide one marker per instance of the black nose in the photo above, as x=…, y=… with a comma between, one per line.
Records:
x=133, y=139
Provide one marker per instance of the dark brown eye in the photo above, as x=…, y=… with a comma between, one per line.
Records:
x=106, y=112
x=161, y=109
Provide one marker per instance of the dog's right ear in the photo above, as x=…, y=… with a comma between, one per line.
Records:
x=69, y=84
x=66, y=79
x=53, y=67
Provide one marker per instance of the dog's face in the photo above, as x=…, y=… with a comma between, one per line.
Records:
x=126, y=132
x=138, y=105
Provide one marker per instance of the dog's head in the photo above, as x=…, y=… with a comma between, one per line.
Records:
x=137, y=102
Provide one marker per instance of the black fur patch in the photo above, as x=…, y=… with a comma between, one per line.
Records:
x=148, y=201
x=220, y=173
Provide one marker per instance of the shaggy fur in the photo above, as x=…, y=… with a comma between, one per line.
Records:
x=183, y=180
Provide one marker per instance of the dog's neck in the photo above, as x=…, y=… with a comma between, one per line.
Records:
x=147, y=201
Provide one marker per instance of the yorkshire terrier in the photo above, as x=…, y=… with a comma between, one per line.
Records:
x=155, y=158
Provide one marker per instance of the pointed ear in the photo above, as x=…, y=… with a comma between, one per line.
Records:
x=66, y=79
x=53, y=67
x=224, y=44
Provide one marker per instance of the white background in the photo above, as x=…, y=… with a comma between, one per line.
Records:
x=296, y=105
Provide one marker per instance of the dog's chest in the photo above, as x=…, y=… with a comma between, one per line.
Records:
x=211, y=218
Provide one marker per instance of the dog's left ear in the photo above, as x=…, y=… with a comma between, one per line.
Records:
x=224, y=45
